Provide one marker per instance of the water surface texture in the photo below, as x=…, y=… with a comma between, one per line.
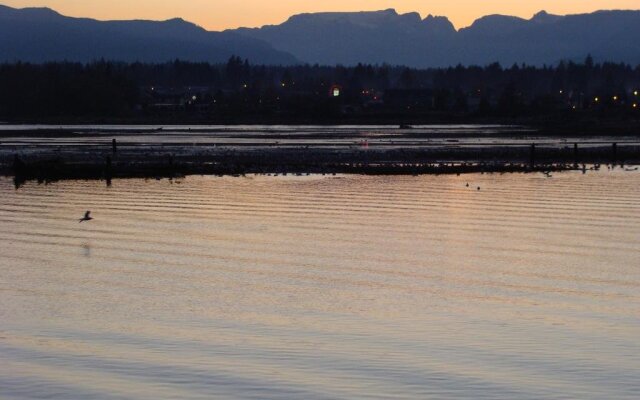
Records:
x=319, y=287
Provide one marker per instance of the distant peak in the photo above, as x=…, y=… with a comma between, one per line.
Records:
x=179, y=22
x=545, y=17
x=412, y=17
x=176, y=20
x=495, y=24
x=369, y=18
x=39, y=11
x=431, y=17
x=497, y=17
x=438, y=24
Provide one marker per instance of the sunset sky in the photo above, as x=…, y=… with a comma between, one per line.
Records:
x=222, y=14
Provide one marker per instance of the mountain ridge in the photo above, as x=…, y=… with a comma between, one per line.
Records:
x=408, y=39
x=42, y=34
x=328, y=38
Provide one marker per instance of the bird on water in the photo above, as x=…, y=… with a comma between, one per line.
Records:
x=87, y=217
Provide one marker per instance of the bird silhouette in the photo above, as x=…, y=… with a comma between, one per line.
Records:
x=87, y=217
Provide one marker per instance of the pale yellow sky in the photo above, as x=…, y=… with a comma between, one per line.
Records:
x=222, y=14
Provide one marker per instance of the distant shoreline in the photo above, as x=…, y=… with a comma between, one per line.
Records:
x=325, y=153
x=552, y=126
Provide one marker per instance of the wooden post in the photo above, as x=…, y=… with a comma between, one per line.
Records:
x=575, y=154
x=532, y=160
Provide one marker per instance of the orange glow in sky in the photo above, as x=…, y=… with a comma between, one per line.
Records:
x=222, y=14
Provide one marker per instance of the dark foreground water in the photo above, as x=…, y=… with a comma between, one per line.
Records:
x=323, y=288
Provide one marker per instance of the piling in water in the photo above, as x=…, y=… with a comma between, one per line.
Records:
x=532, y=159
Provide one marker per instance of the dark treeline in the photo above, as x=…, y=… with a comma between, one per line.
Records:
x=176, y=91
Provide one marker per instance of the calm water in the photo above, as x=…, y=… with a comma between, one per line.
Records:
x=323, y=288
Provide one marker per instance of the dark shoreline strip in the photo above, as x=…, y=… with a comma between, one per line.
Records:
x=162, y=162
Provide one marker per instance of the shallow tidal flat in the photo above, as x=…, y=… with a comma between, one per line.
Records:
x=48, y=153
x=316, y=287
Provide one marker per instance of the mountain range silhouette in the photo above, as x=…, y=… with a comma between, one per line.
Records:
x=41, y=34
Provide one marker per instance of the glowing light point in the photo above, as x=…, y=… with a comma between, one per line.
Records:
x=335, y=91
